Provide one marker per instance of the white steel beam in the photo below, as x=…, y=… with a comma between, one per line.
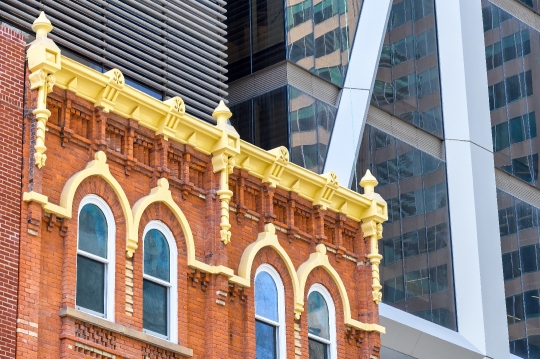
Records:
x=356, y=94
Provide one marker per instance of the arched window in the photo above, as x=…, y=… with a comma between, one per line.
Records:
x=95, y=258
x=160, y=282
x=269, y=314
x=321, y=324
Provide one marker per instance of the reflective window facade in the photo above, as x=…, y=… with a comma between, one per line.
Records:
x=291, y=118
x=407, y=82
x=320, y=34
x=417, y=259
x=519, y=224
x=513, y=63
x=256, y=35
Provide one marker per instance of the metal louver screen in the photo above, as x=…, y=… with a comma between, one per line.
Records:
x=170, y=48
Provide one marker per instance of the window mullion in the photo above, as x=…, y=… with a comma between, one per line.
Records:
x=267, y=321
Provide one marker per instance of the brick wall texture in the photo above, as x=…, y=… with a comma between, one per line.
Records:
x=12, y=52
x=215, y=319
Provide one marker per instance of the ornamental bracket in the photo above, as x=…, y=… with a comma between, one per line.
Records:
x=43, y=61
x=107, y=97
x=167, y=126
x=223, y=152
x=324, y=196
x=272, y=173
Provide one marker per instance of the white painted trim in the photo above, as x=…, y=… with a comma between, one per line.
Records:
x=111, y=254
x=173, y=288
x=331, y=315
x=282, y=329
x=356, y=94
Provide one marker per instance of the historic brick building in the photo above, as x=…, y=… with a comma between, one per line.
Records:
x=148, y=233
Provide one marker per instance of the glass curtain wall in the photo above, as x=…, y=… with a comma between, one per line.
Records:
x=291, y=118
x=416, y=271
x=256, y=35
x=513, y=64
x=533, y=4
x=519, y=224
x=320, y=34
x=407, y=82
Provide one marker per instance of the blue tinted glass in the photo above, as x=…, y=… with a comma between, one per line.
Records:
x=266, y=340
x=266, y=297
x=317, y=350
x=155, y=307
x=90, y=284
x=318, y=318
x=93, y=231
x=156, y=255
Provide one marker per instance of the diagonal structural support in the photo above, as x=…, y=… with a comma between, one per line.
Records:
x=356, y=94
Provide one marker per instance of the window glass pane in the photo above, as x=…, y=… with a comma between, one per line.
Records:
x=155, y=307
x=318, y=317
x=156, y=255
x=266, y=340
x=93, y=231
x=90, y=284
x=532, y=304
x=317, y=350
x=266, y=297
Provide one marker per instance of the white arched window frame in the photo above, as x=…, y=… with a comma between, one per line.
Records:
x=172, y=286
x=282, y=330
x=111, y=252
x=331, y=318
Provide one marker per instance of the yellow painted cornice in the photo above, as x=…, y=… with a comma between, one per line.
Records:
x=150, y=113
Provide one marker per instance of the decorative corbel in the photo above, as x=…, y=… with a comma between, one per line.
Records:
x=167, y=126
x=323, y=197
x=107, y=97
x=372, y=228
x=223, y=152
x=43, y=62
x=272, y=173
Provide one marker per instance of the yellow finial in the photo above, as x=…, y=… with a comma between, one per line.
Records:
x=368, y=182
x=222, y=113
x=42, y=26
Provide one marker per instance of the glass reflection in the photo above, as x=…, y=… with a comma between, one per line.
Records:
x=266, y=297
x=519, y=224
x=417, y=262
x=407, y=82
x=93, y=231
x=156, y=255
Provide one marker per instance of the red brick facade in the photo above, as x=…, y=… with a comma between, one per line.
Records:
x=216, y=319
x=12, y=53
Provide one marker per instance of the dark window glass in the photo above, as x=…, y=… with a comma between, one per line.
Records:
x=318, y=350
x=238, y=39
x=391, y=250
x=386, y=57
x=428, y=82
x=90, y=284
x=156, y=255
x=500, y=136
x=268, y=33
x=496, y=96
x=270, y=119
x=411, y=203
x=422, y=8
x=528, y=259
x=155, y=307
x=425, y=44
x=534, y=346
x=417, y=283
x=241, y=120
x=525, y=215
x=507, y=266
x=507, y=222
x=393, y=290
x=266, y=340
x=403, y=50
x=519, y=347
x=532, y=304
x=93, y=231
x=401, y=13
x=405, y=87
